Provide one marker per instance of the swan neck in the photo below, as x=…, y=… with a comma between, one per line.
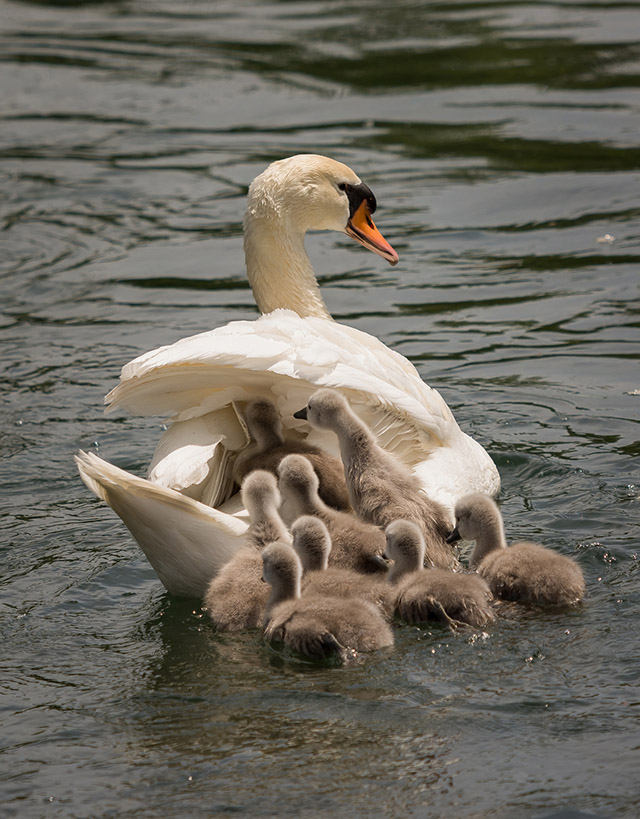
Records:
x=315, y=561
x=272, y=518
x=407, y=562
x=286, y=587
x=354, y=439
x=396, y=573
x=304, y=503
x=278, y=268
x=267, y=439
x=264, y=515
x=488, y=538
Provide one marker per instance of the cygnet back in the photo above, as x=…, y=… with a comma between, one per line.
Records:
x=269, y=447
x=432, y=594
x=381, y=489
x=355, y=544
x=236, y=597
x=312, y=624
x=524, y=572
x=312, y=544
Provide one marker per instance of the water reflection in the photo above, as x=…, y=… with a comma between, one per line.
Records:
x=216, y=698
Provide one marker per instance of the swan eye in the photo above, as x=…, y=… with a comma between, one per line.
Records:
x=342, y=186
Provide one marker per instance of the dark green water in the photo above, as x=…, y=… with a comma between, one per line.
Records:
x=502, y=142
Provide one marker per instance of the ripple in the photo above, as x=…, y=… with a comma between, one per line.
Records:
x=500, y=140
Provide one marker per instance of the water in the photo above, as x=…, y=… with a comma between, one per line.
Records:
x=501, y=140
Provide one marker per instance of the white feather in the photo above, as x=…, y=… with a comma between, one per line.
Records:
x=185, y=541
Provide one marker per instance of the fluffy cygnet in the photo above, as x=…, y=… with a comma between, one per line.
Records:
x=262, y=500
x=527, y=572
x=355, y=544
x=312, y=544
x=315, y=625
x=427, y=594
x=381, y=489
x=269, y=447
x=236, y=598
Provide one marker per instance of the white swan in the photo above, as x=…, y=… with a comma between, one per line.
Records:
x=186, y=517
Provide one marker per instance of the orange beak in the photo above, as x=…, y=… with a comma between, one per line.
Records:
x=361, y=228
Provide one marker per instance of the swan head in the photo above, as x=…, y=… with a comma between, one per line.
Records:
x=476, y=515
x=405, y=546
x=260, y=492
x=325, y=409
x=312, y=543
x=312, y=192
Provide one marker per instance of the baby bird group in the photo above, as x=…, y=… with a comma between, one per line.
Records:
x=336, y=549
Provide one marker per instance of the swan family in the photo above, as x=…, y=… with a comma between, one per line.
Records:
x=234, y=397
x=187, y=514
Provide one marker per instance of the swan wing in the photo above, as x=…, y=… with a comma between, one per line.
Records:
x=186, y=542
x=288, y=357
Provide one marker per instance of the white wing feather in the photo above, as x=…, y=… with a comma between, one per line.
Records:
x=186, y=542
x=288, y=358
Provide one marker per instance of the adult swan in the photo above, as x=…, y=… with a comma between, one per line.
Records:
x=187, y=516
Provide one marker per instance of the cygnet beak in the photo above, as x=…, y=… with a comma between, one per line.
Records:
x=361, y=228
x=381, y=561
x=454, y=537
x=301, y=415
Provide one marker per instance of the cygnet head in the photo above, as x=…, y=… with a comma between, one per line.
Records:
x=477, y=516
x=260, y=492
x=281, y=569
x=312, y=543
x=297, y=478
x=263, y=420
x=312, y=192
x=326, y=409
x=405, y=546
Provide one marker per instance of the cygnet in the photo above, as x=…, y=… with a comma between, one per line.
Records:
x=381, y=489
x=526, y=572
x=312, y=544
x=269, y=446
x=236, y=598
x=355, y=544
x=315, y=625
x=262, y=500
x=427, y=594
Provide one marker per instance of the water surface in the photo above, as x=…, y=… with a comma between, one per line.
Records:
x=501, y=140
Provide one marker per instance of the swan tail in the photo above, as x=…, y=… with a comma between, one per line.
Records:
x=186, y=542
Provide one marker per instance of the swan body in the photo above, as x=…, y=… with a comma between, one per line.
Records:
x=428, y=594
x=312, y=544
x=188, y=517
x=236, y=597
x=185, y=541
x=316, y=625
x=524, y=572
